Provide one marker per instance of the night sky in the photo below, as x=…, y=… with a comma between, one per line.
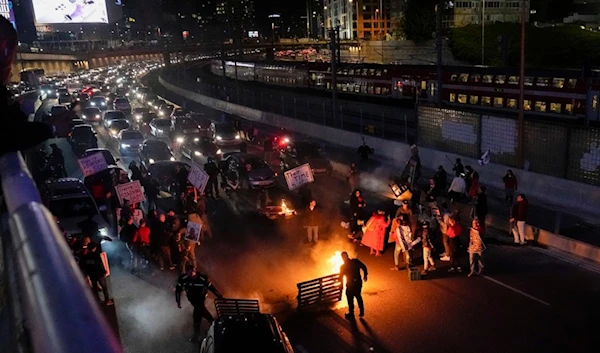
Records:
x=285, y=7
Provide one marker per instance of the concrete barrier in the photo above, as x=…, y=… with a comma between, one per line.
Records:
x=582, y=199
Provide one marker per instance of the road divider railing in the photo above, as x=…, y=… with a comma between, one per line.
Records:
x=320, y=291
x=50, y=306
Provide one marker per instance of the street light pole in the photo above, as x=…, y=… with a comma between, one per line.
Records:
x=520, y=132
x=483, y=32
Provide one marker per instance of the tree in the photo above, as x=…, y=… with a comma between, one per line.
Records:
x=419, y=19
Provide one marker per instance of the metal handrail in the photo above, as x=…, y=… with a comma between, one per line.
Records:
x=53, y=306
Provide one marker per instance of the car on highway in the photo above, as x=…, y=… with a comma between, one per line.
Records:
x=81, y=97
x=65, y=98
x=160, y=127
x=227, y=136
x=122, y=104
x=198, y=145
x=99, y=101
x=58, y=109
x=130, y=141
x=181, y=126
x=117, y=126
x=166, y=173
x=71, y=203
x=81, y=138
x=91, y=115
x=236, y=329
x=48, y=90
x=141, y=93
x=153, y=101
x=153, y=151
x=297, y=153
x=61, y=91
x=108, y=157
x=138, y=112
x=165, y=110
x=257, y=172
x=111, y=115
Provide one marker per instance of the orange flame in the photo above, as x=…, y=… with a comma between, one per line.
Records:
x=285, y=210
x=336, y=262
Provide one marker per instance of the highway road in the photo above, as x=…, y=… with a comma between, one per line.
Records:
x=527, y=301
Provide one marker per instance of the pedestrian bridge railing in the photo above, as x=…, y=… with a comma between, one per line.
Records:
x=42, y=292
x=319, y=291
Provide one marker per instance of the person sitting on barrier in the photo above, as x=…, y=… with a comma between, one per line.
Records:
x=17, y=132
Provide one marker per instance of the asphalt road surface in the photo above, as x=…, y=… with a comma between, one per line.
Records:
x=528, y=301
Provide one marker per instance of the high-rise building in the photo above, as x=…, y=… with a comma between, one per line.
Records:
x=476, y=11
x=315, y=17
x=359, y=19
x=238, y=17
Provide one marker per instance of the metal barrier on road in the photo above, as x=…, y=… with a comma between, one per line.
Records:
x=320, y=291
x=226, y=306
x=52, y=308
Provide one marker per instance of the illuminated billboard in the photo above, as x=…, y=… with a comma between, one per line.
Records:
x=6, y=10
x=70, y=11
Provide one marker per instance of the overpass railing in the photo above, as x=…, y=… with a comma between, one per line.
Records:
x=50, y=307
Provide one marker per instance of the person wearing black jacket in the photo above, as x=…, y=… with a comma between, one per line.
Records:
x=126, y=235
x=94, y=268
x=212, y=186
x=196, y=287
x=351, y=270
x=312, y=222
x=481, y=208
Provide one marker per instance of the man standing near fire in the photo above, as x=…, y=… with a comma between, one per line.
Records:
x=351, y=270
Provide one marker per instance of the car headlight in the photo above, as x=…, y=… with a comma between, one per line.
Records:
x=114, y=132
x=151, y=161
x=237, y=137
x=125, y=145
x=286, y=140
x=127, y=94
x=197, y=153
x=84, y=117
x=138, y=117
x=219, y=152
x=219, y=138
x=179, y=140
x=172, y=159
x=103, y=231
x=103, y=103
x=159, y=130
x=196, y=139
x=97, y=116
x=93, y=104
x=161, y=113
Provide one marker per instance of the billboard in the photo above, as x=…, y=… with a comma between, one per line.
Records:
x=6, y=10
x=70, y=11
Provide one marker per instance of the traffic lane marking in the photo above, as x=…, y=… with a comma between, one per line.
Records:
x=518, y=291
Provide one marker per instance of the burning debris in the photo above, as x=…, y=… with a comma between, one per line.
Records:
x=277, y=211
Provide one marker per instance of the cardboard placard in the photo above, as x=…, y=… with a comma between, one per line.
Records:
x=92, y=164
x=198, y=177
x=192, y=233
x=299, y=176
x=130, y=191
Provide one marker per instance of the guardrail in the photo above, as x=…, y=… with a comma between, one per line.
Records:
x=52, y=308
x=319, y=291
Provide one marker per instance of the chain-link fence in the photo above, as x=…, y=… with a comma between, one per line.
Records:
x=388, y=122
x=551, y=148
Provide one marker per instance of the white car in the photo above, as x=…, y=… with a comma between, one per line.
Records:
x=130, y=141
x=160, y=127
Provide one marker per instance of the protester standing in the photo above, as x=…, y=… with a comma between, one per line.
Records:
x=351, y=271
x=476, y=248
x=510, y=186
x=519, y=218
x=374, y=233
x=453, y=232
x=313, y=220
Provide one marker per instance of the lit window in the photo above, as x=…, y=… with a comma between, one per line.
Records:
x=542, y=82
x=513, y=80
x=464, y=77
x=500, y=79
x=487, y=78
x=454, y=78
x=528, y=81
x=475, y=78
x=572, y=83
x=486, y=100
x=511, y=103
x=556, y=108
x=474, y=100
x=452, y=97
x=462, y=98
x=540, y=106
x=558, y=82
x=527, y=104
x=498, y=102
x=569, y=108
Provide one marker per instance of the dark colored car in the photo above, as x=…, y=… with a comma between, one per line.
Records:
x=258, y=173
x=82, y=138
x=299, y=153
x=165, y=172
x=153, y=151
x=117, y=126
x=138, y=113
x=181, y=126
x=226, y=136
x=91, y=115
x=198, y=145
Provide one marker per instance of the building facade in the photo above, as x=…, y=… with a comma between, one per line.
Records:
x=475, y=11
x=238, y=16
x=359, y=19
x=315, y=17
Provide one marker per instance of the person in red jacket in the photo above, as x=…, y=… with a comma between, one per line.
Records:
x=141, y=246
x=519, y=218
